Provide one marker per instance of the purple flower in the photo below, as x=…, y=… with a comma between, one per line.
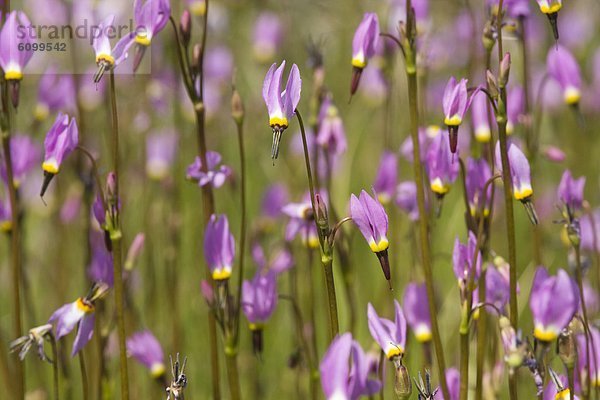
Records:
x=145, y=348
x=331, y=135
x=497, y=288
x=215, y=177
x=554, y=154
x=108, y=57
x=553, y=302
x=150, y=18
x=25, y=154
x=365, y=40
x=593, y=374
x=281, y=105
x=387, y=177
x=219, y=247
x=416, y=307
x=441, y=169
x=558, y=390
x=100, y=269
x=570, y=191
x=391, y=336
x=267, y=36
x=61, y=140
x=301, y=223
x=259, y=298
x=13, y=59
x=514, y=108
x=481, y=119
x=462, y=261
x=453, y=381
x=5, y=216
x=519, y=171
x=280, y=262
x=81, y=312
x=161, y=149
x=549, y=6
x=589, y=225
x=563, y=68
x=406, y=199
x=339, y=379
x=275, y=197
x=456, y=102
x=478, y=173
x=134, y=251
x=370, y=217
x=56, y=92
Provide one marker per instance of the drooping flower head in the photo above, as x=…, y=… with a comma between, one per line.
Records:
x=416, y=308
x=570, y=192
x=387, y=177
x=514, y=108
x=478, y=174
x=406, y=199
x=15, y=50
x=36, y=336
x=108, y=57
x=61, y=140
x=519, y=171
x=161, y=149
x=391, y=336
x=145, y=348
x=370, y=217
x=456, y=101
x=441, y=168
x=302, y=222
x=453, y=381
x=150, y=18
x=481, y=119
x=593, y=373
x=214, y=176
x=267, y=36
x=553, y=302
x=281, y=105
x=80, y=312
x=280, y=261
x=273, y=200
x=56, y=93
x=557, y=388
x=497, y=287
x=25, y=155
x=364, y=43
x=259, y=298
x=219, y=247
x=100, y=269
x=345, y=371
x=464, y=266
x=564, y=69
x=331, y=136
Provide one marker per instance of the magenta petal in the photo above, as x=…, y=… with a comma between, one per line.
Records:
x=84, y=333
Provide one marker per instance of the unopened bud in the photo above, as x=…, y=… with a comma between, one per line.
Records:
x=504, y=70
x=207, y=292
x=322, y=214
x=492, y=84
x=488, y=38
x=185, y=28
x=237, y=107
x=111, y=187
x=402, y=383
x=566, y=348
x=134, y=251
x=196, y=54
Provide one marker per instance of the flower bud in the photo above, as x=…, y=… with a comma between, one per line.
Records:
x=207, y=292
x=566, y=348
x=322, y=214
x=134, y=251
x=196, y=54
x=491, y=83
x=111, y=187
x=488, y=38
x=185, y=28
x=237, y=107
x=504, y=71
x=402, y=383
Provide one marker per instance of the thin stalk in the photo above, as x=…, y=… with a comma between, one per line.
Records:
x=481, y=338
x=413, y=101
x=464, y=347
x=579, y=278
x=312, y=312
x=571, y=378
x=380, y=369
x=326, y=253
x=54, y=366
x=84, y=380
x=233, y=376
x=240, y=134
x=116, y=239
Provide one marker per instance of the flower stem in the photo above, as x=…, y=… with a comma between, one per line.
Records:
x=233, y=375
x=84, y=380
x=326, y=250
x=240, y=134
x=116, y=239
x=54, y=366
x=586, y=326
x=571, y=378
x=464, y=347
x=413, y=101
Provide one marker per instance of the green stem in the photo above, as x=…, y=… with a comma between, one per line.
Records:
x=233, y=376
x=411, y=75
x=326, y=253
x=54, y=366
x=571, y=378
x=481, y=338
x=84, y=380
x=116, y=239
x=240, y=134
x=579, y=278
x=464, y=348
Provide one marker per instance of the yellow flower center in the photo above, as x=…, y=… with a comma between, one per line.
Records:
x=6, y=226
x=50, y=166
x=572, y=95
x=220, y=274
x=255, y=326
x=107, y=58
x=523, y=192
x=437, y=186
x=282, y=122
x=563, y=394
x=550, y=8
x=382, y=245
x=157, y=370
x=393, y=352
x=84, y=305
x=143, y=39
x=544, y=334
x=454, y=120
x=13, y=75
